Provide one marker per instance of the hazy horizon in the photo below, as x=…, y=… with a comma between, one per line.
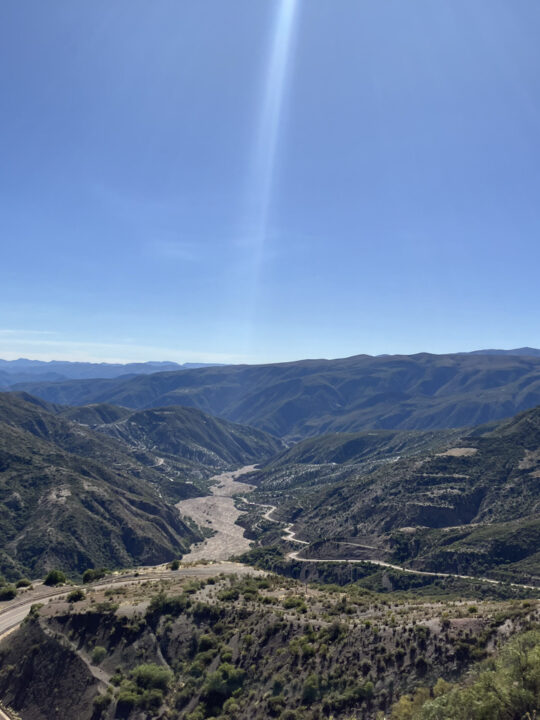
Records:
x=282, y=360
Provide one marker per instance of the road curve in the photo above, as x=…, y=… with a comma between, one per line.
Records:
x=290, y=535
x=14, y=612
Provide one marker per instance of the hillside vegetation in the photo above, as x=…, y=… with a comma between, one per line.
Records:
x=312, y=397
x=74, y=498
x=180, y=433
x=462, y=502
x=249, y=648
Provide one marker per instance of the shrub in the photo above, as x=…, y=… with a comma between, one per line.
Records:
x=174, y=565
x=127, y=701
x=23, y=582
x=7, y=593
x=275, y=705
x=99, y=654
x=221, y=684
x=206, y=642
x=76, y=596
x=101, y=703
x=162, y=604
x=93, y=574
x=310, y=691
x=152, y=699
x=55, y=577
x=151, y=676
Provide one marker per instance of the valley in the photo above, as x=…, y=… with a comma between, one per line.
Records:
x=217, y=513
x=260, y=575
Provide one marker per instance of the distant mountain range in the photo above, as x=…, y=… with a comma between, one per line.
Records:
x=523, y=352
x=24, y=370
x=312, y=397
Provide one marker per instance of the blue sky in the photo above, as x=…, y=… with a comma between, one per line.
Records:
x=261, y=181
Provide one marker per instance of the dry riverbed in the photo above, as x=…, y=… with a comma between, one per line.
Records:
x=218, y=512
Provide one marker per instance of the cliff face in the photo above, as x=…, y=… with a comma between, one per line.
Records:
x=42, y=678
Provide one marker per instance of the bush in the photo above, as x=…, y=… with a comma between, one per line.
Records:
x=23, y=582
x=55, y=577
x=7, y=593
x=94, y=574
x=101, y=703
x=221, y=684
x=310, y=691
x=162, y=604
x=76, y=596
x=99, y=654
x=127, y=701
x=151, y=676
x=152, y=699
x=207, y=642
x=174, y=565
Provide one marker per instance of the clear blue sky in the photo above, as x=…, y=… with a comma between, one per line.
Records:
x=269, y=180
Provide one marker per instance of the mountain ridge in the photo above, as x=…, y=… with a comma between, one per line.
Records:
x=305, y=398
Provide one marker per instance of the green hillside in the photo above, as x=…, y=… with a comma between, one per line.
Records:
x=254, y=647
x=466, y=502
x=74, y=497
x=180, y=434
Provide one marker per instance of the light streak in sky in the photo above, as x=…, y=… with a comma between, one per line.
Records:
x=267, y=143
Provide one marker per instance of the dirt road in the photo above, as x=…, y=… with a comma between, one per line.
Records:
x=218, y=513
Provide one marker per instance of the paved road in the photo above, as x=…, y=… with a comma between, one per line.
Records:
x=290, y=535
x=14, y=612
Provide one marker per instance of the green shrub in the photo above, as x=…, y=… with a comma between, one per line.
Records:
x=55, y=577
x=162, y=604
x=127, y=701
x=310, y=691
x=152, y=699
x=94, y=574
x=221, y=684
x=76, y=596
x=206, y=642
x=99, y=654
x=151, y=676
x=23, y=582
x=8, y=592
x=101, y=703
x=174, y=565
